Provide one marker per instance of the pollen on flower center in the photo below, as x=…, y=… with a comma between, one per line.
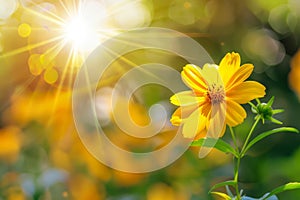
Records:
x=216, y=93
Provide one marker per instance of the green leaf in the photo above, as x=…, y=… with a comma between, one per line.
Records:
x=270, y=102
x=288, y=186
x=219, y=144
x=223, y=195
x=232, y=183
x=258, y=101
x=276, y=111
x=266, y=134
x=275, y=121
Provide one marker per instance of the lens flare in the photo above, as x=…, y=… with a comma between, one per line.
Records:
x=61, y=34
x=24, y=30
x=7, y=8
x=82, y=35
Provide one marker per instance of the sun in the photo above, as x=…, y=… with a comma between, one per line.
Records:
x=81, y=34
x=76, y=31
x=57, y=36
x=60, y=35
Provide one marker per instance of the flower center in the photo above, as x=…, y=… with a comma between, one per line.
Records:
x=216, y=93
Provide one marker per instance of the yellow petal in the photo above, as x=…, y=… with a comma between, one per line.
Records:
x=191, y=124
x=182, y=113
x=240, y=75
x=229, y=65
x=201, y=134
x=223, y=195
x=185, y=98
x=224, y=129
x=211, y=74
x=206, y=108
x=216, y=125
x=193, y=79
x=217, y=120
x=235, y=113
x=246, y=91
x=176, y=120
x=201, y=128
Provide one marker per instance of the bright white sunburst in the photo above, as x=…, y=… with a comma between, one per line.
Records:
x=81, y=34
x=83, y=28
x=59, y=35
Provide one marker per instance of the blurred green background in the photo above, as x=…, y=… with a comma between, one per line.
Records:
x=41, y=155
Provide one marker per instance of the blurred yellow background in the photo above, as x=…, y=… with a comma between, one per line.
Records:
x=43, y=44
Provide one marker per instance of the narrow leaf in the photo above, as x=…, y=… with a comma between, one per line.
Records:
x=258, y=101
x=276, y=121
x=288, y=186
x=251, y=104
x=232, y=183
x=267, y=133
x=276, y=111
x=270, y=102
x=219, y=144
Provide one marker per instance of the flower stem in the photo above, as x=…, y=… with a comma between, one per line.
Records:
x=239, y=156
x=236, y=177
x=237, y=164
x=248, y=137
x=233, y=138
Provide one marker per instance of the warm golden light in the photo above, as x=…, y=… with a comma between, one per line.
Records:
x=24, y=30
x=81, y=34
x=61, y=34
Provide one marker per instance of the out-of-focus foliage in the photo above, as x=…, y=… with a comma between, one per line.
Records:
x=41, y=155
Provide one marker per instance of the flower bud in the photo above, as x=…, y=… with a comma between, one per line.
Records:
x=265, y=111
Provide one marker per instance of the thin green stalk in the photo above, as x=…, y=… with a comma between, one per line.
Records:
x=237, y=164
x=240, y=154
x=234, y=139
x=236, y=177
x=249, y=136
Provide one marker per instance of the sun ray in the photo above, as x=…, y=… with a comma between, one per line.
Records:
x=59, y=21
x=91, y=99
x=52, y=52
x=47, y=11
x=127, y=61
x=105, y=34
x=131, y=63
x=73, y=57
x=12, y=28
x=74, y=4
x=30, y=47
x=60, y=85
x=117, y=7
x=53, y=44
x=65, y=7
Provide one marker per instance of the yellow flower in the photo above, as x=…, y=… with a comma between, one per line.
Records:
x=10, y=143
x=215, y=97
x=294, y=75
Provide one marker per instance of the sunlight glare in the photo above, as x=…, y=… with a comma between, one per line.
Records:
x=82, y=36
x=7, y=8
